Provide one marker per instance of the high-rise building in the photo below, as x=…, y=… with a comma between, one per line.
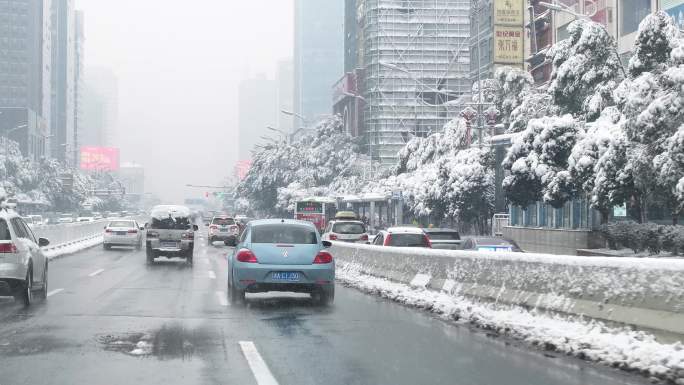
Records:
x=318, y=56
x=285, y=83
x=257, y=101
x=100, y=107
x=347, y=100
x=63, y=74
x=25, y=49
x=416, y=64
x=79, y=66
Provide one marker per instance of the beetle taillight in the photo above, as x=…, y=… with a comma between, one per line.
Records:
x=323, y=257
x=245, y=255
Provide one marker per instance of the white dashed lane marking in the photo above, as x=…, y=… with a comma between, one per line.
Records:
x=94, y=273
x=257, y=364
x=51, y=293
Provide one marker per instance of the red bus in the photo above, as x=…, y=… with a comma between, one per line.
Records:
x=315, y=210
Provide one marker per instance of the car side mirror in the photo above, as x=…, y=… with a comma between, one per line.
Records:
x=368, y=242
x=42, y=242
x=326, y=244
x=105, y=227
x=195, y=227
x=142, y=228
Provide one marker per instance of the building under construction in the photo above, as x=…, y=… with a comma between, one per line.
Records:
x=415, y=65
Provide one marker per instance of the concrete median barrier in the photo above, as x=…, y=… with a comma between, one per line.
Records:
x=645, y=293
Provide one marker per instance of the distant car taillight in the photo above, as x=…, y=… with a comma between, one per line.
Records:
x=152, y=234
x=213, y=228
x=234, y=229
x=333, y=237
x=364, y=237
x=323, y=257
x=388, y=240
x=8, y=248
x=132, y=231
x=245, y=255
x=108, y=231
x=188, y=236
x=428, y=243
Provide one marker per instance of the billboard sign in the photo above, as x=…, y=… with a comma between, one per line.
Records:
x=509, y=12
x=99, y=159
x=508, y=45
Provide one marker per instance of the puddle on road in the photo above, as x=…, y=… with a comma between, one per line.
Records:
x=167, y=342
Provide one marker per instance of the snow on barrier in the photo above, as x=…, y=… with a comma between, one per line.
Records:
x=67, y=238
x=646, y=293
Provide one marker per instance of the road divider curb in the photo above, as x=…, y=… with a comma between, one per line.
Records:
x=645, y=293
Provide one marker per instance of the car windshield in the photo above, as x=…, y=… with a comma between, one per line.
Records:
x=283, y=233
x=121, y=224
x=443, y=235
x=348, y=228
x=408, y=240
x=223, y=221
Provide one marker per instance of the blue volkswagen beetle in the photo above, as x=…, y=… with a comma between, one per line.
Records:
x=281, y=255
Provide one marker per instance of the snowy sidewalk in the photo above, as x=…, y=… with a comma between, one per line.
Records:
x=574, y=335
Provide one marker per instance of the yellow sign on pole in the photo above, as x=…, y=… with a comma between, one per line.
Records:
x=508, y=45
x=509, y=12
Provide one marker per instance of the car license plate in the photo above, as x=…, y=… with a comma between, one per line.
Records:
x=169, y=244
x=290, y=276
x=224, y=229
x=121, y=233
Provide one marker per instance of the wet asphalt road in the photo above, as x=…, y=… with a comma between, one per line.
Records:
x=118, y=321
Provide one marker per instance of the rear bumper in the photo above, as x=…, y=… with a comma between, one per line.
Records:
x=223, y=237
x=12, y=275
x=121, y=240
x=255, y=277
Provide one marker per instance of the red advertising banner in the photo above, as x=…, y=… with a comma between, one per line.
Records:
x=99, y=158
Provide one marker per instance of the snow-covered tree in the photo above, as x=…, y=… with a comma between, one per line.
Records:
x=656, y=38
x=584, y=65
x=314, y=160
x=513, y=86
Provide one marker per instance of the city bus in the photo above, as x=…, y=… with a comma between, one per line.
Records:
x=317, y=210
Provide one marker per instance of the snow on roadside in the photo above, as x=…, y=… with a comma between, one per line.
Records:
x=74, y=247
x=573, y=335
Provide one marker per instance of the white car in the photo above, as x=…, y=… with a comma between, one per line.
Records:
x=23, y=266
x=402, y=236
x=123, y=232
x=346, y=231
x=66, y=218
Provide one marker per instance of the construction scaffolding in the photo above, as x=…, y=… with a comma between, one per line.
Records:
x=416, y=60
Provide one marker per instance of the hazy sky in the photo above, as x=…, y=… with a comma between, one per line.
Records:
x=179, y=64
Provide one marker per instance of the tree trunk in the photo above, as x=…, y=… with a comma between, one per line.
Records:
x=675, y=218
x=604, y=216
x=644, y=209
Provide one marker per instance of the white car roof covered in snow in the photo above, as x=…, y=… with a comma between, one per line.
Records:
x=405, y=230
x=163, y=211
